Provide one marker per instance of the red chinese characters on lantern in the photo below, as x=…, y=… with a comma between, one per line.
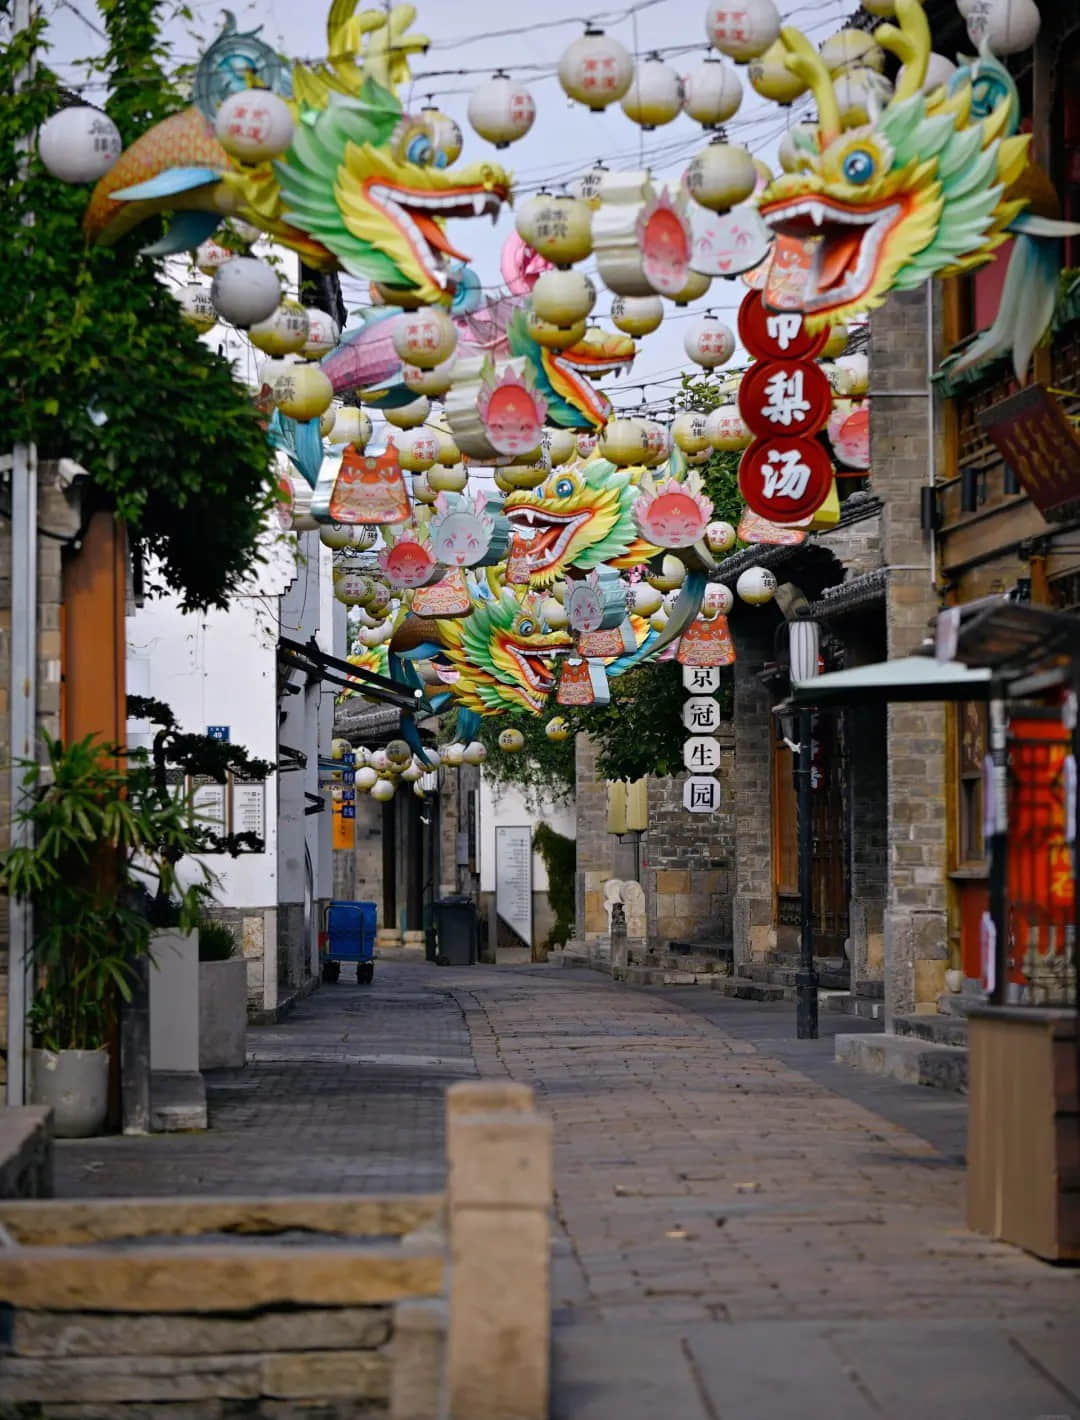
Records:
x=784, y=480
x=785, y=397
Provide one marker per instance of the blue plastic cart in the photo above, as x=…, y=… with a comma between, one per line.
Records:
x=350, y=936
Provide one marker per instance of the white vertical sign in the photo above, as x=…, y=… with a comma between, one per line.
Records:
x=513, y=878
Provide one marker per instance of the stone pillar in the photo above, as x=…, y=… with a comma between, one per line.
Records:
x=753, y=929
x=864, y=732
x=595, y=847
x=499, y=1193
x=915, y=925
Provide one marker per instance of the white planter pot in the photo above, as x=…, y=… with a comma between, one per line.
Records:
x=954, y=979
x=75, y=1085
x=223, y=1014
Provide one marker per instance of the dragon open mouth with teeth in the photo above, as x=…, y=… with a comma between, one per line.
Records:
x=505, y=654
x=578, y=517
x=930, y=187
x=364, y=187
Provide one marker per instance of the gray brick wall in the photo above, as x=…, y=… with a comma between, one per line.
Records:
x=753, y=930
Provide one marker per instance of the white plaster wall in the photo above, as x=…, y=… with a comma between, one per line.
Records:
x=219, y=668
x=506, y=804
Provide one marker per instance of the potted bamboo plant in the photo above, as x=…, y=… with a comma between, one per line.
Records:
x=101, y=852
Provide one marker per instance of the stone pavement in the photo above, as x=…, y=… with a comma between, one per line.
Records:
x=738, y=1235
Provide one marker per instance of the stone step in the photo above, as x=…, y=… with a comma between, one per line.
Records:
x=959, y=1003
x=672, y=961
x=747, y=989
x=849, y=1003
x=874, y=989
x=829, y=979
x=906, y=1058
x=719, y=951
x=658, y=976
x=942, y=1030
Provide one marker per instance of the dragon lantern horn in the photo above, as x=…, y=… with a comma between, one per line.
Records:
x=807, y=64
x=911, y=45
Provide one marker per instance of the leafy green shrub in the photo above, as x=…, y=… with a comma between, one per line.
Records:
x=560, y=859
x=216, y=941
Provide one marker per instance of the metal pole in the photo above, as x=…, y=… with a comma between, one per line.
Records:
x=806, y=981
x=997, y=815
x=23, y=701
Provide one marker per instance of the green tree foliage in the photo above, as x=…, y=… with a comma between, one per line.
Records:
x=541, y=769
x=560, y=859
x=97, y=362
x=720, y=474
x=641, y=731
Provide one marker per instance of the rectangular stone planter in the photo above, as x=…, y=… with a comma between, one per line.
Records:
x=1023, y=1174
x=222, y=1014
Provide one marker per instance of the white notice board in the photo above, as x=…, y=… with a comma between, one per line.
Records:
x=513, y=878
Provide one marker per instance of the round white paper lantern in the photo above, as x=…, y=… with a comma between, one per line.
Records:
x=352, y=426
x=408, y=416
x=323, y=334
x=646, y=599
x=342, y=535
x=860, y=95
x=433, y=382
x=709, y=342
x=383, y=790
x=670, y=574
x=742, y=29
x=210, y=255
x=245, y=291
x=563, y=298
x=475, y=752
x=587, y=186
x=637, y=315
x=688, y=430
x=366, y=778
x=939, y=70
x=624, y=442
x=422, y=489
x=558, y=227
x=79, y=144
x=587, y=442
x=197, y=307
x=1004, y=26
x=596, y=69
x=726, y=430
x=655, y=95
x=283, y=333
x=327, y=419
x=424, y=337
x=756, y=586
x=445, y=135
x=449, y=453
x=657, y=442
x=772, y=79
x=712, y=93
x=418, y=449
x=718, y=599
x=453, y=754
x=720, y=537
x=501, y=110
x=721, y=175
x=254, y=125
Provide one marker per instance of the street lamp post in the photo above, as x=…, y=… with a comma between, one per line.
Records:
x=803, y=642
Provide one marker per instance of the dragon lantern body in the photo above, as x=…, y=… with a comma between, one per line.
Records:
x=364, y=186
x=931, y=187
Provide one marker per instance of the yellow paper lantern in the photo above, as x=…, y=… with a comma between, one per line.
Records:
x=352, y=426
x=445, y=135
x=408, y=416
x=561, y=445
x=285, y=333
x=756, y=586
x=557, y=730
x=323, y=334
x=624, y=442
x=448, y=480
x=563, y=298
x=554, y=337
x=596, y=69
x=860, y=94
x=422, y=489
x=852, y=49
x=655, y=95
x=449, y=454
x=721, y=175
x=433, y=382
x=302, y=392
x=669, y=575
x=772, y=79
x=836, y=343
x=657, y=443
x=720, y=537
x=647, y=599
x=327, y=420
x=689, y=432
x=559, y=228
x=197, y=307
x=637, y=315
x=510, y=741
x=696, y=286
x=791, y=155
x=520, y=475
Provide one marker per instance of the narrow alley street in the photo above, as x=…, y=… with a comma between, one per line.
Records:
x=744, y=1229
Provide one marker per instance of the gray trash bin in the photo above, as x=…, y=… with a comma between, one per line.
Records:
x=455, y=931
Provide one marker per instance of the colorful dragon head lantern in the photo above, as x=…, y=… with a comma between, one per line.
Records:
x=931, y=186
x=362, y=186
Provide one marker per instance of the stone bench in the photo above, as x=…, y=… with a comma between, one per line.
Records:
x=415, y=1307
x=26, y=1153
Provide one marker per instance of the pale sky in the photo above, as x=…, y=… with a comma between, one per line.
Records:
x=566, y=139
